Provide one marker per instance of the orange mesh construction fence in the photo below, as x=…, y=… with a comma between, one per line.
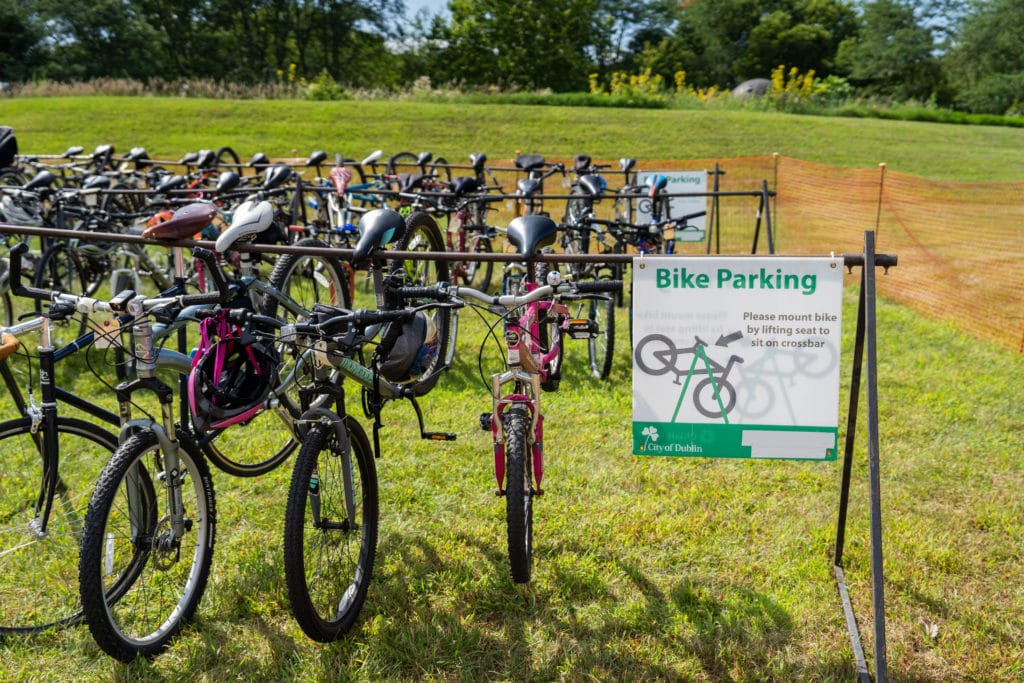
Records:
x=960, y=245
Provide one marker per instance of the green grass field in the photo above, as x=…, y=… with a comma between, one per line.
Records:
x=645, y=568
x=169, y=128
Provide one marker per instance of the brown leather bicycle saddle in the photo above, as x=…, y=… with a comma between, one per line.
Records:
x=184, y=224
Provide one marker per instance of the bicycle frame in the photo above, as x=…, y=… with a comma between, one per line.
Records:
x=529, y=365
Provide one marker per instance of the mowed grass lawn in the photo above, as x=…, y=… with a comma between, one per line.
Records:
x=645, y=568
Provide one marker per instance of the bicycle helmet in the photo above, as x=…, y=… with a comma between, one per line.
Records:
x=230, y=380
x=408, y=349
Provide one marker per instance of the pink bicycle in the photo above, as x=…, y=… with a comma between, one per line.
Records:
x=536, y=319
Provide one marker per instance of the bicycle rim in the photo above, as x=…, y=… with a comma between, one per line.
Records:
x=601, y=347
x=130, y=553
x=329, y=559
x=39, y=574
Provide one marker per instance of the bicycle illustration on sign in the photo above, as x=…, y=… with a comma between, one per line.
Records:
x=714, y=396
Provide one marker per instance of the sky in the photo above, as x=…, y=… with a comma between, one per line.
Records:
x=435, y=6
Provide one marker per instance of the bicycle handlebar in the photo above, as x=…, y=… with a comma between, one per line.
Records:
x=86, y=304
x=443, y=291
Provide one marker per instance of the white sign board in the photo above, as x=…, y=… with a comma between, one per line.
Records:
x=736, y=357
x=679, y=182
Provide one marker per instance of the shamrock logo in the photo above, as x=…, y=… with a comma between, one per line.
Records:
x=651, y=432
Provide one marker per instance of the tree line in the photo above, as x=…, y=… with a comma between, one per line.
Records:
x=962, y=54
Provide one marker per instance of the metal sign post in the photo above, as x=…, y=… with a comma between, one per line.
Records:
x=739, y=357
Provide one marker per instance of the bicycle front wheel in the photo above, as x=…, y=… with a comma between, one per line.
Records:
x=142, y=569
x=478, y=273
x=518, y=492
x=39, y=570
x=422, y=234
x=330, y=530
x=601, y=312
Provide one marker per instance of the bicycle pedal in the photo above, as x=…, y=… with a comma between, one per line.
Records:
x=438, y=436
x=581, y=328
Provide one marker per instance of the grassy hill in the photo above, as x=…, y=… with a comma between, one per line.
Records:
x=170, y=127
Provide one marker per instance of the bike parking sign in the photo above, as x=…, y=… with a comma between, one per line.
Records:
x=737, y=357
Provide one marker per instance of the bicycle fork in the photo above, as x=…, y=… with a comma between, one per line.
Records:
x=163, y=536
x=343, y=450
x=495, y=420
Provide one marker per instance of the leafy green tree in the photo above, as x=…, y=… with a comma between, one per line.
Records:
x=987, y=63
x=894, y=55
x=804, y=34
x=520, y=43
x=21, y=50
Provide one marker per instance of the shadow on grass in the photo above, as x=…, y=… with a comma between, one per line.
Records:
x=587, y=614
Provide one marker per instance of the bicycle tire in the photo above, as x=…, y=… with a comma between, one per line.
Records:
x=518, y=492
x=12, y=177
x=401, y=159
x=7, y=314
x=61, y=269
x=423, y=234
x=226, y=155
x=440, y=169
x=39, y=584
x=328, y=564
x=577, y=208
x=601, y=348
x=479, y=273
x=127, y=550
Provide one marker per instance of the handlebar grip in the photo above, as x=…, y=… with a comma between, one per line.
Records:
x=9, y=344
x=599, y=286
x=208, y=257
x=437, y=292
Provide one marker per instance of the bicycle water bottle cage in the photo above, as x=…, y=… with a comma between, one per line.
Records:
x=275, y=176
x=527, y=187
x=376, y=229
x=462, y=186
x=186, y=222
x=251, y=218
x=529, y=233
x=529, y=162
x=593, y=184
x=40, y=180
